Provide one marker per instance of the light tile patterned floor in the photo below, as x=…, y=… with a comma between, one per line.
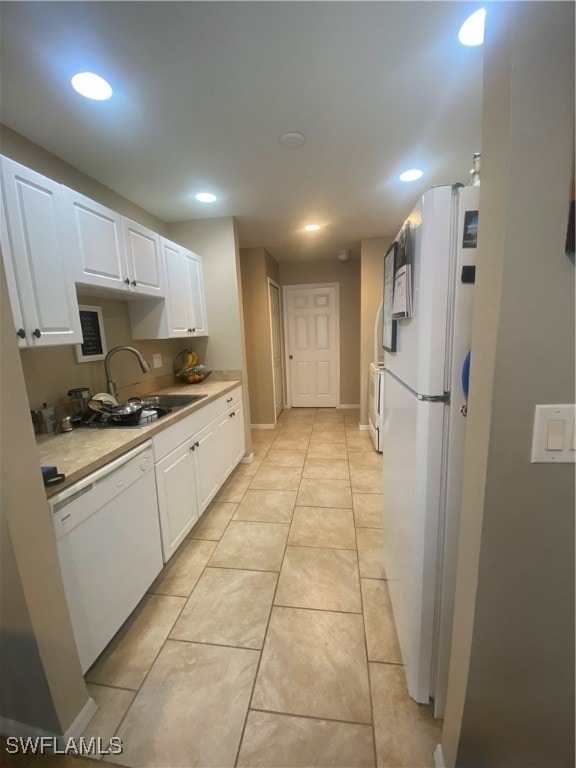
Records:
x=268, y=639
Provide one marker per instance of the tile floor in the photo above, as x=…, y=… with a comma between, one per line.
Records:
x=268, y=640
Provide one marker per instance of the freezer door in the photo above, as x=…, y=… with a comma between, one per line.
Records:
x=462, y=331
x=413, y=449
x=421, y=341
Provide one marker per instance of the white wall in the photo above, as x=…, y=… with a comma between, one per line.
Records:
x=511, y=685
x=42, y=683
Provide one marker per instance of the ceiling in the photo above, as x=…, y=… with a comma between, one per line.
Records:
x=203, y=91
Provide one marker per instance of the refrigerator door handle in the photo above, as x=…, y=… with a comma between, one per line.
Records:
x=445, y=398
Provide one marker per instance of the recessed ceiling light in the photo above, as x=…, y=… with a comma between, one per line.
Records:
x=472, y=31
x=312, y=227
x=292, y=139
x=206, y=197
x=91, y=86
x=411, y=175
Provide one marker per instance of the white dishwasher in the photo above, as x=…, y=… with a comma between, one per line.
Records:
x=108, y=538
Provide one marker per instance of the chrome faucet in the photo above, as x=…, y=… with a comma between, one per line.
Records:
x=110, y=386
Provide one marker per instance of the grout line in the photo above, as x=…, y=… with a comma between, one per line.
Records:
x=116, y=687
x=326, y=509
x=367, y=656
x=388, y=664
x=310, y=717
x=321, y=546
x=374, y=578
x=153, y=662
x=262, y=650
x=266, y=522
x=267, y=627
x=240, y=568
x=213, y=645
x=318, y=610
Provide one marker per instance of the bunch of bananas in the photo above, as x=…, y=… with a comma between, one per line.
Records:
x=190, y=359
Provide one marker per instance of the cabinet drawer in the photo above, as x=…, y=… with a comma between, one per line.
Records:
x=171, y=437
x=231, y=399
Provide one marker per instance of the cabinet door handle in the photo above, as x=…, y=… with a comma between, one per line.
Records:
x=197, y=445
x=193, y=330
x=189, y=330
x=229, y=399
x=193, y=446
x=21, y=333
x=36, y=332
x=127, y=281
x=134, y=283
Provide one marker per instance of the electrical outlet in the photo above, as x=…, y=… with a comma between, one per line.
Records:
x=157, y=361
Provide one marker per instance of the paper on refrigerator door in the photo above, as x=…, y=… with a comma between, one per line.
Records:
x=402, y=304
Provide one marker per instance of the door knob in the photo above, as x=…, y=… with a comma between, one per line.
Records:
x=36, y=332
x=134, y=283
x=127, y=281
x=21, y=333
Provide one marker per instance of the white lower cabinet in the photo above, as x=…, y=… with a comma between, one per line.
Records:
x=190, y=472
x=207, y=450
x=177, y=502
x=231, y=431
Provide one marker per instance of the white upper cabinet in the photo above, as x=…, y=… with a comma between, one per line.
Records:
x=144, y=259
x=53, y=237
x=43, y=296
x=198, y=321
x=110, y=251
x=97, y=243
x=177, y=290
x=11, y=278
x=183, y=314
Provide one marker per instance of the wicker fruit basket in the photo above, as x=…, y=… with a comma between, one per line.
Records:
x=188, y=369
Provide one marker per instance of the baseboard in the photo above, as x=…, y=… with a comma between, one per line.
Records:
x=23, y=730
x=262, y=426
x=248, y=459
x=81, y=720
x=348, y=407
x=439, y=757
x=364, y=427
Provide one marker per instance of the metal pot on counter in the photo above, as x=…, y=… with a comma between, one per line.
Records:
x=127, y=415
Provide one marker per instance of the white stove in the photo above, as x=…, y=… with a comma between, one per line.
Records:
x=376, y=405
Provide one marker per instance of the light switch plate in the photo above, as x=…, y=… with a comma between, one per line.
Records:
x=552, y=442
x=157, y=361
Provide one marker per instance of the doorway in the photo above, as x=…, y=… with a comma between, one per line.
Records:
x=276, y=341
x=312, y=333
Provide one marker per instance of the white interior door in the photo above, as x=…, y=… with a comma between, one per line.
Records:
x=312, y=319
x=276, y=347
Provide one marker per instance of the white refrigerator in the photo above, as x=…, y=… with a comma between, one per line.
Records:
x=424, y=434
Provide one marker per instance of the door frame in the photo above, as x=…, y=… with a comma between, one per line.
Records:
x=288, y=383
x=282, y=345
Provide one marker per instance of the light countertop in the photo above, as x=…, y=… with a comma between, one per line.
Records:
x=82, y=451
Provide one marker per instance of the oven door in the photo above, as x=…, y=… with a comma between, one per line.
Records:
x=373, y=404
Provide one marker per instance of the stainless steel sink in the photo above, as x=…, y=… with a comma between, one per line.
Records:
x=163, y=404
x=170, y=401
